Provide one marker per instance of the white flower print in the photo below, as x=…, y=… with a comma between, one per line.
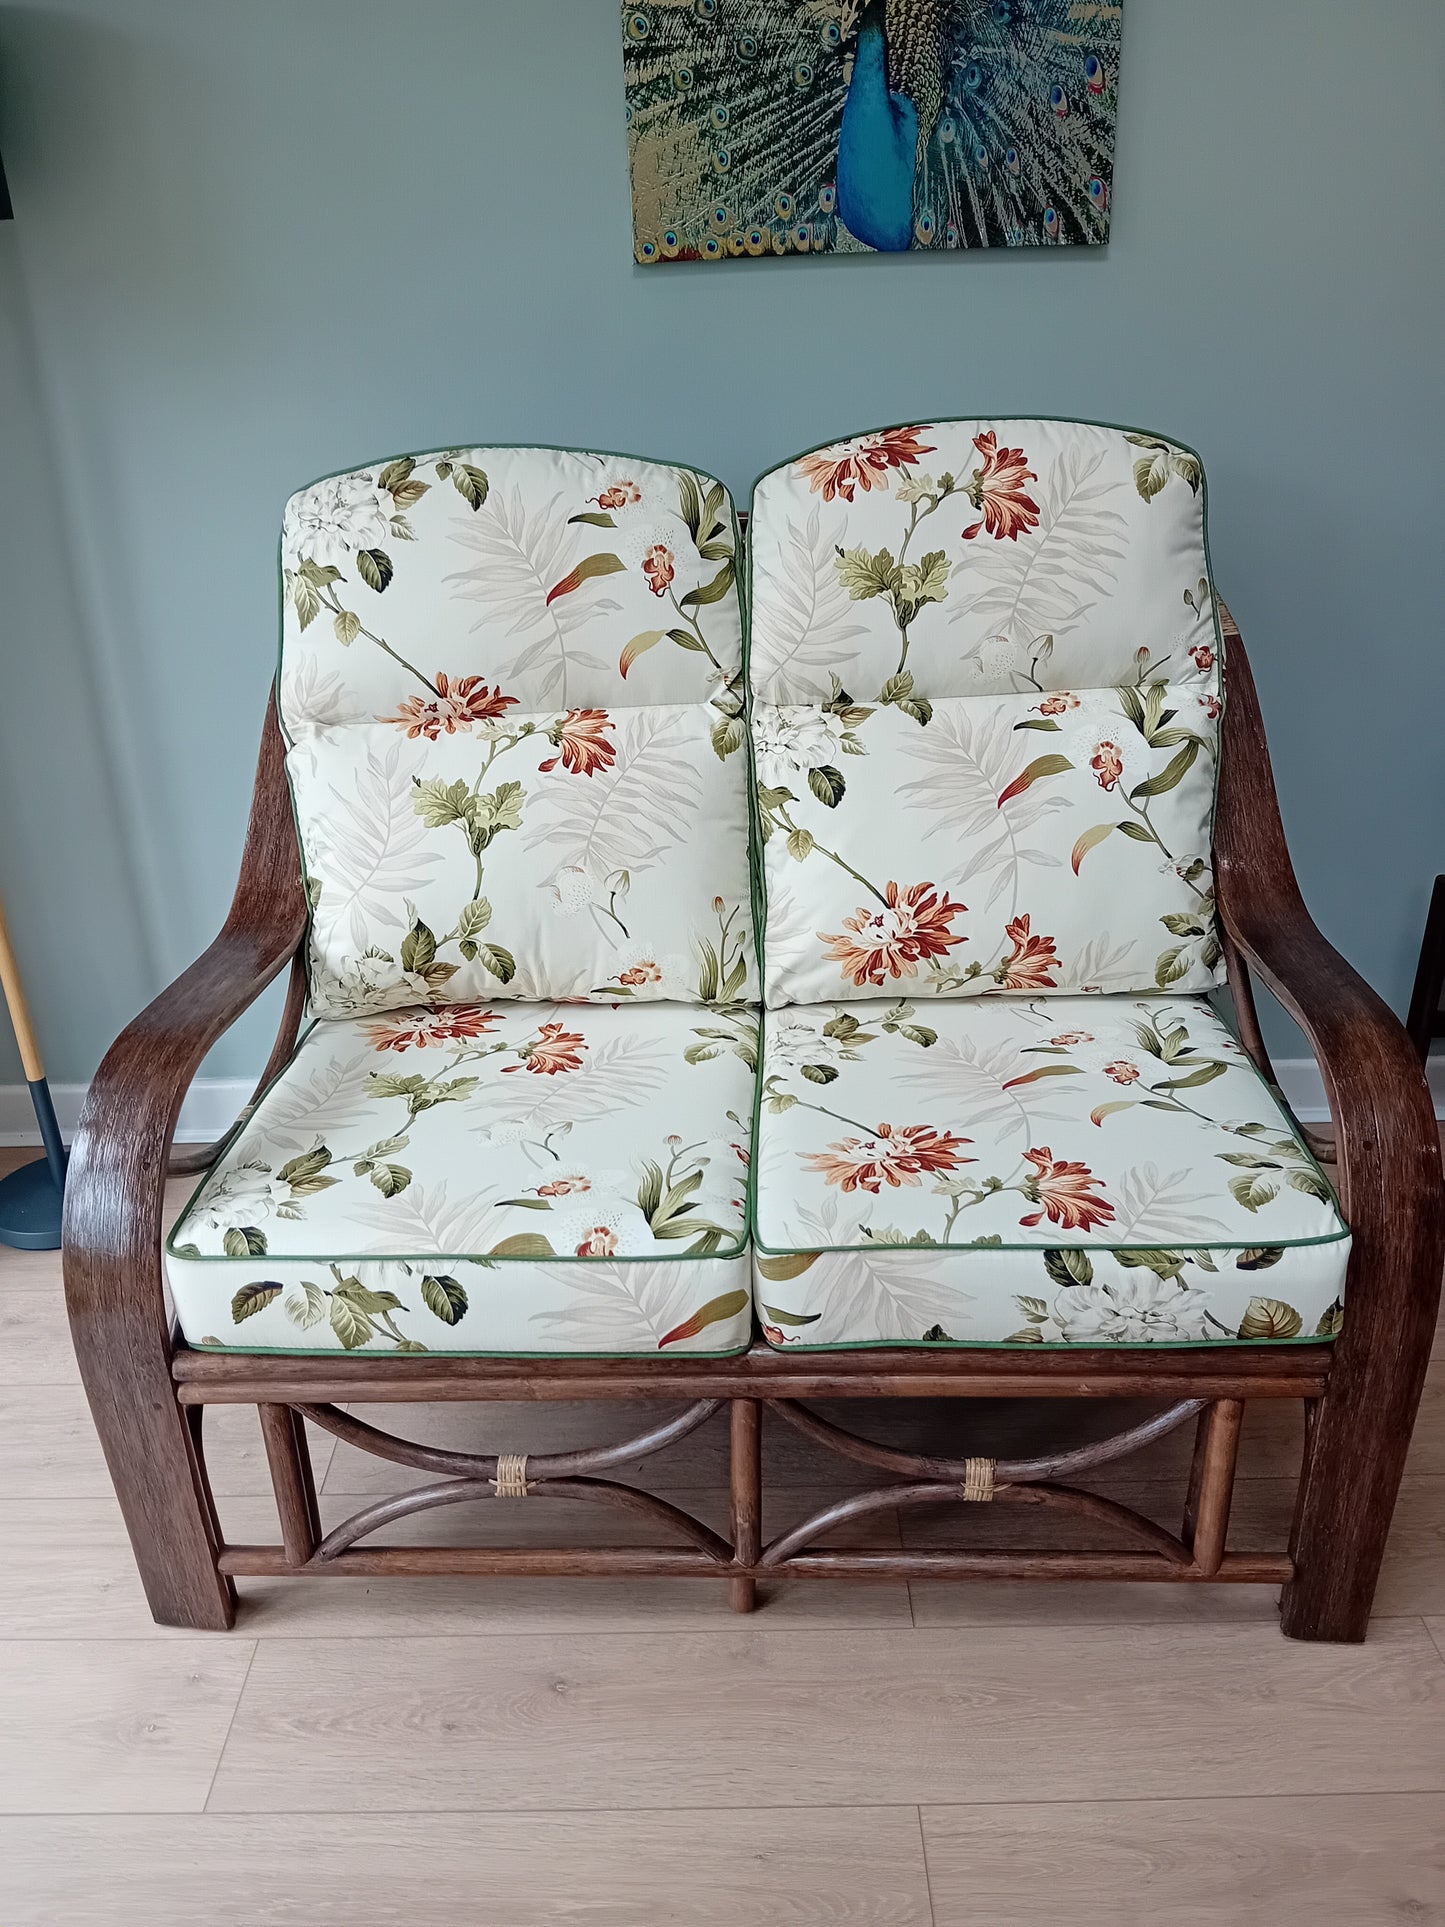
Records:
x=787, y=742
x=794, y=1041
x=371, y=982
x=1144, y=1310
x=245, y=1195
x=335, y=518
x=573, y=889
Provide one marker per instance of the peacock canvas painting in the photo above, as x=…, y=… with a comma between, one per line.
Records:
x=823, y=126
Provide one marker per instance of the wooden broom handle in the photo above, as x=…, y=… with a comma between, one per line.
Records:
x=19, y=1010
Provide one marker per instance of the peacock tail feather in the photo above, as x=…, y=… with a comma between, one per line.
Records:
x=917, y=50
x=735, y=108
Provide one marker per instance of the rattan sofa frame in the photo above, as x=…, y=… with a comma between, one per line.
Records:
x=149, y=1392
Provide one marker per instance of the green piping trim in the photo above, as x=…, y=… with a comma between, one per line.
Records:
x=1061, y=1242
x=757, y=1138
x=949, y=421
x=755, y=862
x=1049, y=1345
x=423, y=1359
x=275, y=1259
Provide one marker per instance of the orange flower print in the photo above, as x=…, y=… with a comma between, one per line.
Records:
x=456, y=707
x=581, y=736
x=1057, y=704
x=891, y=1157
x=1211, y=707
x=891, y=942
x=646, y=972
x=1064, y=1191
x=1122, y=1071
x=621, y=495
x=863, y=463
x=563, y=1187
x=600, y=1242
x=1032, y=960
x=659, y=565
x=1107, y=763
x=997, y=491
x=552, y=1050
x=453, y=1024
x=1066, y=1039
x=1203, y=656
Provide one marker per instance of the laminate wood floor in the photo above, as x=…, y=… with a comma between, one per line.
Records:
x=619, y=1753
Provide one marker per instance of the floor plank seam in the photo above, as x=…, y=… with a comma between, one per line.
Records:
x=230, y=1726
x=165, y=1634
x=492, y=1811
x=1185, y=1799
x=927, y=1877
x=228, y=1815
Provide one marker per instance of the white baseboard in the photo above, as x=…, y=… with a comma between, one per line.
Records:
x=212, y=1106
x=1304, y=1088
x=213, y=1103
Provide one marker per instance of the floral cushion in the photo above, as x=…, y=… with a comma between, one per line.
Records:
x=518, y=1179
x=985, y=666
x=1026, y=1171
x=510, y=683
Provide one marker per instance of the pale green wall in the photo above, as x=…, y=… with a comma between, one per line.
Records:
x=261, y=240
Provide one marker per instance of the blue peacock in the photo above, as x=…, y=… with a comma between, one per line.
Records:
x=770, y=126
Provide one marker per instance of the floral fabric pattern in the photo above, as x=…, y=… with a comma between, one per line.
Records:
x=574, y=614
x=986, y=692
x=955, y=860
x=477, y=1178
x=592, y=855
x=986, y=689
x=1033, y=1170
x=986, y=557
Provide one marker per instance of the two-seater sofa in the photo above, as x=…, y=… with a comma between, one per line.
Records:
x=740, y=976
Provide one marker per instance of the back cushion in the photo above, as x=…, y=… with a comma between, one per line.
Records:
x=511, y=687
x=985, y=670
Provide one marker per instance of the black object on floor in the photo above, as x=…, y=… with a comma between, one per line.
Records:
x=1426, y=1020
x=30, y=1198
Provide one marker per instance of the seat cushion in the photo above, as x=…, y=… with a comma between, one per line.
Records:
x=529, y=1179
x=985, y=669
x=1028, y=1171
x=511, y=689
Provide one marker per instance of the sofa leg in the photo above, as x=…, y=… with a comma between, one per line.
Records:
x=164, y=1496
x=151, y=1444
x=1355, y=1451
x=745, y=1416
x=743, y=1595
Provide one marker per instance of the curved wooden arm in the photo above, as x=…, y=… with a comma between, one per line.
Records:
x=130, y=1113
x=186, y=1160
x=1383, y=1115
x=1388, y=1148
x=114, y=1202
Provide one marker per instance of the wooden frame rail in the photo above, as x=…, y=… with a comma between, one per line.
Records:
x=1196, y=1553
